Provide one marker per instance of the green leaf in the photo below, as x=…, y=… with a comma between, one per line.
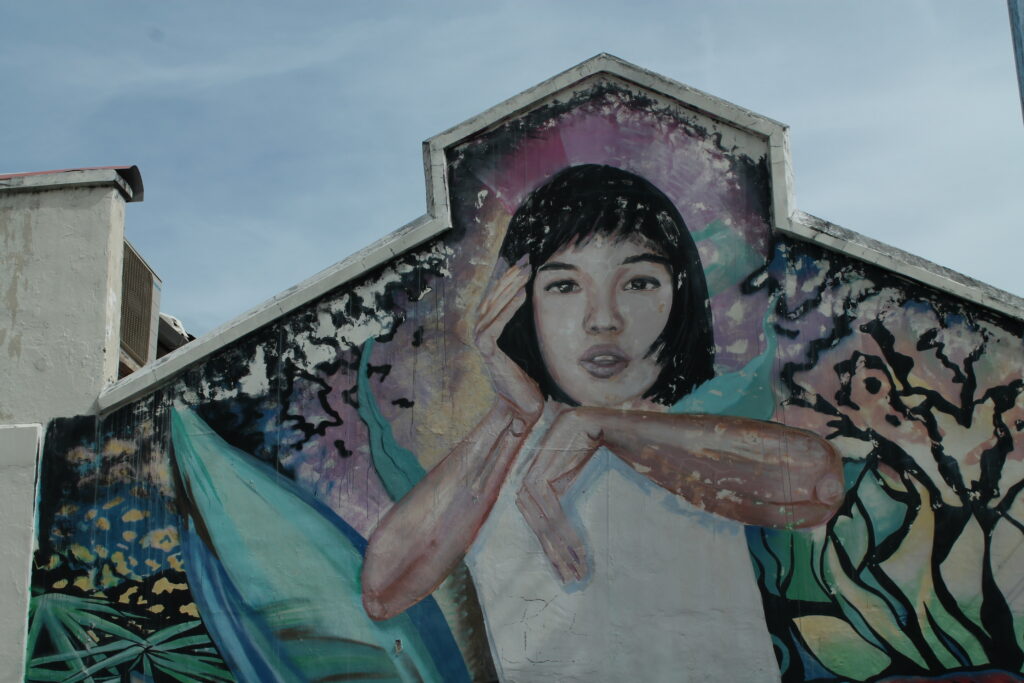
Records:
x=836, y=645
x=183, y=643
x=397, y=467
x=59, y=637
x=127, y=655
x=239, y=502
x=172, y=631
x=99, y=650
x=35, y=674
x=189, y=665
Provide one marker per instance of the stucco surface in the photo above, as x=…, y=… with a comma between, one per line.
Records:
x=60, y=280
x=19, y=454
x=382, y=475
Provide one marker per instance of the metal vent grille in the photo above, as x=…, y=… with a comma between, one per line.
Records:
x=136, y=305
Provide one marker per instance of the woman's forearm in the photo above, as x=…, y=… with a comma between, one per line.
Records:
x=424, y=536
x=757, y=472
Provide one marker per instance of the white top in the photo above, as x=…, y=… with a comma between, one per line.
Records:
x=671, y=594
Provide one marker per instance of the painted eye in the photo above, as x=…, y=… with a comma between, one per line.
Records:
x=640, y=284
x=562, y=287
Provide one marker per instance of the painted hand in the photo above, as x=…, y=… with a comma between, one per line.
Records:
x=565, y=449
x=495, y=311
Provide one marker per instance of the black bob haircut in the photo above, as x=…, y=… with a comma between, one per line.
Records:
x=585, y=201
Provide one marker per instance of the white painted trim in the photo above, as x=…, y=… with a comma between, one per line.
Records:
x=773, y=132
x=438, y=219
x=810, y=228
x=62, y=180
x=380, y=252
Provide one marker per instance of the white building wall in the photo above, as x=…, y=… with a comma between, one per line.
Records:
x=19, y=454
x=61, y=248
x=60, y=282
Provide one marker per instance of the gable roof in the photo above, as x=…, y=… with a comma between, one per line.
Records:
x=785, y=217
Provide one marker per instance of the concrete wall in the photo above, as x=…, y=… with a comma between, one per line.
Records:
x=60, y=278
x=672, y=442
x=19, y=456
x=62, y=236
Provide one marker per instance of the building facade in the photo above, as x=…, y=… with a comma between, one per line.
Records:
x=612, y=410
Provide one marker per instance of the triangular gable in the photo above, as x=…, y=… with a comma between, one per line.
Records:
x=734, y=130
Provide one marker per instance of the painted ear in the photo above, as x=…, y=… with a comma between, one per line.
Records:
x=275, y=575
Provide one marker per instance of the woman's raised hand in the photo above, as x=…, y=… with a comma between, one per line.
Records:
x=565, y=449
x=495, y=311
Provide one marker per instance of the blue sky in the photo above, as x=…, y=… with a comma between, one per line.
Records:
x=276, y=138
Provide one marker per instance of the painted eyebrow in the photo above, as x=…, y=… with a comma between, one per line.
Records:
x=556, y=265
x=647, y=258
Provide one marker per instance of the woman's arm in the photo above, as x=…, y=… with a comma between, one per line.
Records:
x=426, y=533
x=424, y=536
x=755, y=472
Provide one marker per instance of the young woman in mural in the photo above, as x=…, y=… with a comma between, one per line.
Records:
x=599, y=326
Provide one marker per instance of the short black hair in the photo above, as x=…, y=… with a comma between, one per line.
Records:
x=579, y=203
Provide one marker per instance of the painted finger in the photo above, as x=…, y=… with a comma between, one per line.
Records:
x=561, y=560
x=566, y=550
x=509, y=380
x=535, y=518
x=557, y=538
x=561, y=483
x=504, y=290
x=515, y=277
x=501, y=284
x=487, y=334
x=505, y=313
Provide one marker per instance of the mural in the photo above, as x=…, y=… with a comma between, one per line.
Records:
x=609, y=427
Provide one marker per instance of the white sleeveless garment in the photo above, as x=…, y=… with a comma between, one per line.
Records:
x=671, y=594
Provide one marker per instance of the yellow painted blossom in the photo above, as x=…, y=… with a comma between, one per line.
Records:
x=165, y=539
x=165, y=586
x=126, y=597
x=107, y=577
x=121, y=564
x=115, y=447
x=134, y=515
x=80, y=454
x=80, y=552
x=113, y=502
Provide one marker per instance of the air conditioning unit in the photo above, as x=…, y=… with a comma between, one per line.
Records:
x=140, y=312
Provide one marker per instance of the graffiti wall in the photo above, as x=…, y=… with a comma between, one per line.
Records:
x=611, y=426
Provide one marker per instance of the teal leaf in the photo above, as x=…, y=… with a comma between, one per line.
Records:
x=734, y=260
x=397, y=467
x=276, y=575
x=748, y=392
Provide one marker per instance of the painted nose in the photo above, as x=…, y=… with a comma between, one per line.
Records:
x=603, y=316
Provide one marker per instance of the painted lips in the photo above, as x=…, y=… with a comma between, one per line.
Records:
x=603, y=362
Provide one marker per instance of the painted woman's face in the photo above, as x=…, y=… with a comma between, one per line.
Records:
x=598, y=308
